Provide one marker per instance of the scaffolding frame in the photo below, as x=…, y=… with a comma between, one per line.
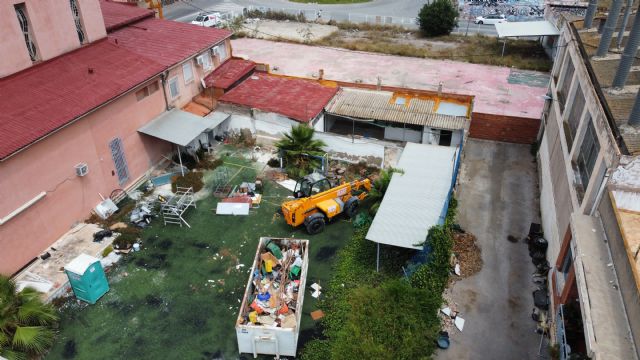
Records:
x=177, y=205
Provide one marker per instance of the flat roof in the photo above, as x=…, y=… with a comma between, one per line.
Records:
x=179, y=127
x=230, y=72
x=415, y=200
x=526, y=28
x=297, y=98
x=392, y=107
x=605, y=321
x=497, y=90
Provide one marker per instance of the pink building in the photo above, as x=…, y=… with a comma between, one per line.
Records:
x=77, y=80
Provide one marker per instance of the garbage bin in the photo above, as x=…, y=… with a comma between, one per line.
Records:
x=87, y=278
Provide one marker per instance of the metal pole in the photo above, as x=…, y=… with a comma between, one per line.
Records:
x=468, y=22
x=504, y=45
x=353, y=130
x=180, y=158
x=378, y=259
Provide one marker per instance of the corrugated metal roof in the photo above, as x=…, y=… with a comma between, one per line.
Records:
x=179, y=127
x=414, y=200
x=378, y=105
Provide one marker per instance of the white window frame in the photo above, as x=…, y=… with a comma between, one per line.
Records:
x=218, y=53
x=208, y=63
x=171, y=94
x=186, y=67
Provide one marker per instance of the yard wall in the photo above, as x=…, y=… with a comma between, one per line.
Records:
x=48, y=166
x=510, y=129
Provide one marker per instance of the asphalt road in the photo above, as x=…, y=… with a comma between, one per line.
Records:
x=401, y=11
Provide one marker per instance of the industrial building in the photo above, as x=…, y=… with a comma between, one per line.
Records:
x=589, y=168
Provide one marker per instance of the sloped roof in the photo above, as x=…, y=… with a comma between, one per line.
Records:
x=296, y=98
x=48, y=96
x=167, y=42
x=392, y=107
x=229, y=73
x=117, y=15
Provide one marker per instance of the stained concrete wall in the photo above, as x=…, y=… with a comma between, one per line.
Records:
x=400, y=134
x=626, y=281
x=510, y=129
x=48, y=166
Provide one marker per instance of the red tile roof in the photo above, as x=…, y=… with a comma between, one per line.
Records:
x=117, y=15
x=299, y=99
x=229, y=73
x=45, y=97
x=167, y=42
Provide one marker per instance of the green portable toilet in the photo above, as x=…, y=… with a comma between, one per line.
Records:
x=87, y=278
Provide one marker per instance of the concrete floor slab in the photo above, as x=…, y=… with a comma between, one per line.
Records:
x=497, y=198
x=496, y=90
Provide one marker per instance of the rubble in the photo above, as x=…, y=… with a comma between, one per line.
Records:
x=468, y=254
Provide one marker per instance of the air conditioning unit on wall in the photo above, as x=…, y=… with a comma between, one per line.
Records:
x=200, y=60
x=82, y=169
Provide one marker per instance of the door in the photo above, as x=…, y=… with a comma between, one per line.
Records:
x=445, y=138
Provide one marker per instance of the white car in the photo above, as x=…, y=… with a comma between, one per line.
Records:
x=208, y=20
x=491, y=19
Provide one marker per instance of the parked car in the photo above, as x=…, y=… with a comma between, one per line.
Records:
x=208, y=20
x=491, y=19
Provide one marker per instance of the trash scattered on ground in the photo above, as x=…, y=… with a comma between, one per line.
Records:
x=118, y=225
x=467, y=253
x=459, y=322
x=317, y=315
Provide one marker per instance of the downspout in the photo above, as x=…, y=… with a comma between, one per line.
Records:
x=163, y=78
x=599, y=194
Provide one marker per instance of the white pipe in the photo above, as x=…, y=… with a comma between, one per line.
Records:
x=22, y=208
x=599, y=194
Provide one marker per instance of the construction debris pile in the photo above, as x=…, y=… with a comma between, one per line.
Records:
x=275, y=285
x=468, y=256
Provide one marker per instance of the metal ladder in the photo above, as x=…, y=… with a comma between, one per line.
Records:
x=176, y=206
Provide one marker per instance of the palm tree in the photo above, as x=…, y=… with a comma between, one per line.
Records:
x=379, y=188
x=25, y=322
x=300, y=149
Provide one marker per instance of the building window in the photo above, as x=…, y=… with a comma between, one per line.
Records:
x=204, y=60
x=588, y=154
x=29, y=39
x=563, y=91
x=563, y=272
x=75, y=12
x=574, y=117
x=146, y=91
x=221, y=52
x=117, y=154
x=174, y=89
x=187, y=72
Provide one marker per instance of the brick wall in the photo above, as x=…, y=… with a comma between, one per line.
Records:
x=504, y=128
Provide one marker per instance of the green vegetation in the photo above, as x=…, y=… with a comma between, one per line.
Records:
x=438, y=18
x=175, y=299
x=370, y=315
x=299, y=148
x=191, y=179
x=26, y=323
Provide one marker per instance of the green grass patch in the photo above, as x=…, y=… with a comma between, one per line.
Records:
x=176, y=299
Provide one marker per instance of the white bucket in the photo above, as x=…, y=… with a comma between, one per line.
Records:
x=136, y=247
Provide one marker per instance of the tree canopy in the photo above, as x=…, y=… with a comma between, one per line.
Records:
x=300, y=150
x=438, y=18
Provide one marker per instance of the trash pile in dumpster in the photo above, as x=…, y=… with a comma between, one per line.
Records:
x=272, y=296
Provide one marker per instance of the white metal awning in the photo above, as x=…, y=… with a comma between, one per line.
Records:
x=415, y=200
x=180, y=127
x=526, y=28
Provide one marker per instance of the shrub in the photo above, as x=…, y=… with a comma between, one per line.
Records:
x=128, y=236
x=209, y=164
x=274, y=162
x=438, y=18
x=191, y=179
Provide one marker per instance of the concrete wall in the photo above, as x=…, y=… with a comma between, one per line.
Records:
x=400, y=134
x=510, y=129
x=192, y=88
x=52, y=27
x=49, y=166
x=626, y=280
x=432, y=136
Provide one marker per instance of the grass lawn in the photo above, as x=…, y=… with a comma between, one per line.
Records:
x=175, y=299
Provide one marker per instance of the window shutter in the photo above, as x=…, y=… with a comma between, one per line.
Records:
x=117, y=153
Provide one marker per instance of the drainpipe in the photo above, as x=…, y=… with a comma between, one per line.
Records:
x=599, y=194
x=634, y=117
x=163, y=78
x=629, y=54
x=609, y=28
x=591, y=13
x=625, y=20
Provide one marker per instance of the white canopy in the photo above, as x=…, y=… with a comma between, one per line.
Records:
x=181, y=127
x=415, y=200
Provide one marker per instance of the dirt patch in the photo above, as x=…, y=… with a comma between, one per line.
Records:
x=467, y=253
